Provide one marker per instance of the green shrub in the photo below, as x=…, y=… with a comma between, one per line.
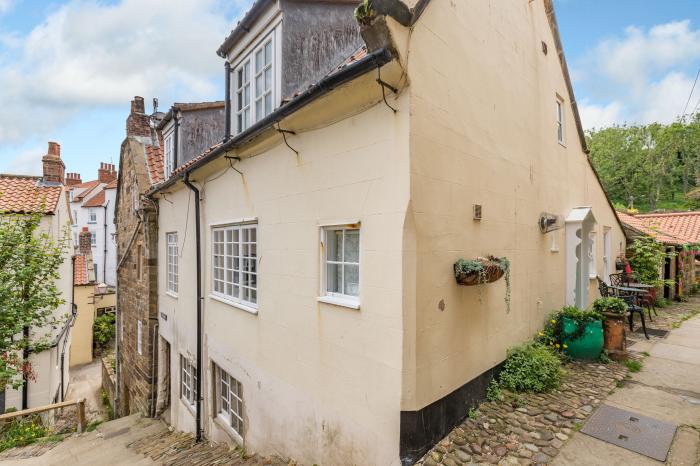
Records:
x=103, y=330
x=611, y=305
x=21, y=432
x=633, y=365
x=493, y=391
x=531, y=368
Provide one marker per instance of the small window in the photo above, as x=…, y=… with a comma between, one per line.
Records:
x=168, y=155
x=342, y=262
x=172, y=263
x=139, y=336
x=93, y=239
x=188, y=381
x=75, y=216
x=235, y=263
x=92, y=215
x=560, y=120
x=254, y=84
x=229, y=399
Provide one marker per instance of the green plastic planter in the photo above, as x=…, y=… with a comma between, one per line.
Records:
x=589, y=345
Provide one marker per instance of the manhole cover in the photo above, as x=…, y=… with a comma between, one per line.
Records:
x=653, y=331
x=641, y=434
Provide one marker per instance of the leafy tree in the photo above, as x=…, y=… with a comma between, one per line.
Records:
x=646, y=259
x=29, y=267
x=649, y=166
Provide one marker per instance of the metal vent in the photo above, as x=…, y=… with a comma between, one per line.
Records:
x=477, y=212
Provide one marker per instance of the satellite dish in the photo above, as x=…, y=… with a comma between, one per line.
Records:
x=550, y=222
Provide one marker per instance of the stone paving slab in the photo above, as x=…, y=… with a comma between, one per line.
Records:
x=676, y=353
x=677, y=376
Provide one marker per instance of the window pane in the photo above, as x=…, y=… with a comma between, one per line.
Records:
x=259, y=61
x=268, y=104
x=352, y=280
x=268, y=79
x=259, y=85
x=334, y=278
x=259, y=109
x=334, y=247
x=352, y=246
x=268, y=52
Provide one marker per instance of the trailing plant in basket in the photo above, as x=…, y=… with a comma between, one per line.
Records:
x=610, y=305
x=479, y=267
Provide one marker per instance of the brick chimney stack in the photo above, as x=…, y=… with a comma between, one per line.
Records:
x=138, y=123
x=107, y=173
x=72, y=179
x=85, y=241
x=54, y=168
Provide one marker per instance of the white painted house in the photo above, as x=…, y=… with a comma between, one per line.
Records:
x=92, y=206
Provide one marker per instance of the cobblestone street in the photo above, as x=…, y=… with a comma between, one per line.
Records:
x=527, y=429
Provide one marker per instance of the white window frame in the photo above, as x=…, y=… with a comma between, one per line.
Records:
x=247, y=69
x=168, y=154
x=172, y=272
x=224, y=273
x=561, y=121
x=335, y=297
x=228, y=391
x=92, y=215
x=93, y=238
x=75, y=216
x=188, y=381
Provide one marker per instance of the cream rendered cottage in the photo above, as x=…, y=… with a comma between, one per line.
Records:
x=321, y=318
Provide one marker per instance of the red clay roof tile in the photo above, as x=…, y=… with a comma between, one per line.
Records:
x=24, y=194
x=98, y=200
x=80, y=272
x=672, y=228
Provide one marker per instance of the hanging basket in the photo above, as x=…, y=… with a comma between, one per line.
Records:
x=484, y=270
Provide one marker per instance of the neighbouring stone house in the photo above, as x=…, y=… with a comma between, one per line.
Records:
x=306, y=289
x=47, y=195
x=679, y=232
x=153, y=144
x=91, y=300
x=92, y=206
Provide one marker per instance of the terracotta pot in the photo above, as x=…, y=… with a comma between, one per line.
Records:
x=492, y=272
x=614, y=329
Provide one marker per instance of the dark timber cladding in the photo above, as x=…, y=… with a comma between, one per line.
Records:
x=422, y=429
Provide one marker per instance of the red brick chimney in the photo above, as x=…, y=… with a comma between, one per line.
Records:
x=72, y=179
x=107, y=173
x=54, y=168
x=138, y=123
x=85, y=241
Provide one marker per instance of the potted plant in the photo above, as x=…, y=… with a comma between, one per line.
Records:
x=614, y=310
x=581, y=333
x=480, y=270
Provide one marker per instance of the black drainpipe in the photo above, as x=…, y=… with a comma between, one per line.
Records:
x=25, y=378
x=104, y=258
x=197, y=242
x=176, y=137
x=227, y=101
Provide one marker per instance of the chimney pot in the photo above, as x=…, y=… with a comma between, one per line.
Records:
x=54, y=149
x=137, y=105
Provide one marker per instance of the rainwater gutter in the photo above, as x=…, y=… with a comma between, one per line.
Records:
x=198, y=246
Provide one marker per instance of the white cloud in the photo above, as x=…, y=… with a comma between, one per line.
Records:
x=5, y=6
x=27, y=162
x=641, y=77
x=599, y=116
x=87, y=54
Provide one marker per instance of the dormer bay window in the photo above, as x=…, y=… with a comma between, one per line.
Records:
x=254, y=85
x=168, y=155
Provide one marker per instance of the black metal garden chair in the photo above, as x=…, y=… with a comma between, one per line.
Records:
x=646, y=300
x=629, y=299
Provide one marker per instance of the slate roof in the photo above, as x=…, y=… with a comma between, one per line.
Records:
x=24, y=194
x=80, y=272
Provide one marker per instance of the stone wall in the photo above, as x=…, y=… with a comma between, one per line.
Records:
x=136, y=283
x=108, y=379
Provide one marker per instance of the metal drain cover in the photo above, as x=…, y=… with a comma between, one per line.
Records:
x=641, y=434
x=653, y=331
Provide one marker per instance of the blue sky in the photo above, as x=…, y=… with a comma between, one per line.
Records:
x=69, y=68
